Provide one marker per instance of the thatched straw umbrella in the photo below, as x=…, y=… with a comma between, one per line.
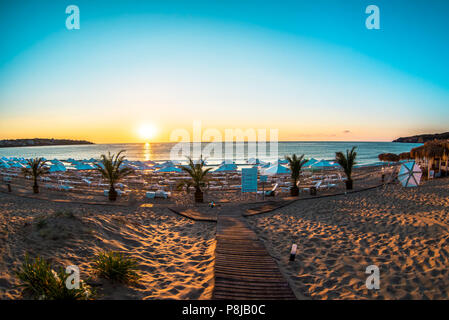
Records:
x=444, y=145
x=405, y=156
x=431, y=151
x=390, y=157
x=417, y=153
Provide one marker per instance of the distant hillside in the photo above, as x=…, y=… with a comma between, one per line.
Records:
x=424, y=138
x=40, y=142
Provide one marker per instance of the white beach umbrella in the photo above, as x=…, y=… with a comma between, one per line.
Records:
x=255, y=161
x=410, y=174
x=276, y=169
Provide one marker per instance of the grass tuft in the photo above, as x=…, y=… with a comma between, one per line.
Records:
x=115, y=266
x=43, y=283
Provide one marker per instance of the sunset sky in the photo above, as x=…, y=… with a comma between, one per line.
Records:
x=310, y=69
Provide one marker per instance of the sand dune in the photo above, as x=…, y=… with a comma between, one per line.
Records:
x=176, y=255
x=405, y=232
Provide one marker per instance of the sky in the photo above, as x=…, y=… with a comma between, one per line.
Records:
x=136, y=71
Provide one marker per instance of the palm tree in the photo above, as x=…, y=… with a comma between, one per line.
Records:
x=347, y=163
x=109, y=168
x=296, y=164
x=198, y=177
x=35, y=169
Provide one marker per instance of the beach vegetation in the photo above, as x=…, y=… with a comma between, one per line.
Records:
x=295, y=164
x=116, y=266
x=112, y=169
x=198, y=178
x=42, y=282
x=35, y=168
x=347, y=162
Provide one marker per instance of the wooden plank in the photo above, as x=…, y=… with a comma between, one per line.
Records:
x=243, y=268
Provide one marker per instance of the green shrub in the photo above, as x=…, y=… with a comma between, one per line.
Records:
x=115, y=266
x=42, y=282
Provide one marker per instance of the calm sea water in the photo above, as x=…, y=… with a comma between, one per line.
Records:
x=367, y=151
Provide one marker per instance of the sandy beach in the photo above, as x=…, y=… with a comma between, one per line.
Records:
x=176, y=255
x=405, y=232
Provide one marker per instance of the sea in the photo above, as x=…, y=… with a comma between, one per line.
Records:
x=239, y=152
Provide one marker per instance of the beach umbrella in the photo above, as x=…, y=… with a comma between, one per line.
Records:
x=227, y=162
x=4, y=165
x=143, y=166
x=198, y=162
x=431, y=150
x=276, y=169
x=405, y=156
x=226, y=167
x=168, y=163
x=282, y=161
x=16, y=165
x=255, y=161
x=55, y=161
x=57, y=168
x=410, y=174
x=390, y=157
x=266, y=165
x=323, y=164
x=84, y=166
x=100, y=164
x=169, y=169
x=310, y=162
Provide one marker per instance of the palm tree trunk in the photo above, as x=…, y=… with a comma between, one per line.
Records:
x=112, y=193
x=35, y=186
x=198, y=195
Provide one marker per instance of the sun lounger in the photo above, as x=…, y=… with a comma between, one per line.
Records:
x=150, y=195
x=162, y=194
x=316, y=186
x=65, y=188
x=269, y=193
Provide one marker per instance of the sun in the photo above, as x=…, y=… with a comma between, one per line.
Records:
x=147, y=131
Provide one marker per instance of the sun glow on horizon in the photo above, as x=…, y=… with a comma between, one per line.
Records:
x=147, y=131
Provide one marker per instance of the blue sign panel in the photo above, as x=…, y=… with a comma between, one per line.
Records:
x=249, y=180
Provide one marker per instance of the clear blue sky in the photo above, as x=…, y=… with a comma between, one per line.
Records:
x=309, y=68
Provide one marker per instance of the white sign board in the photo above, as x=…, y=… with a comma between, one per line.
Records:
x=249, y=180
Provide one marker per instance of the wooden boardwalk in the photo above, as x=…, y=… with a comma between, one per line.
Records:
x=243, y=268
x=209, y=215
